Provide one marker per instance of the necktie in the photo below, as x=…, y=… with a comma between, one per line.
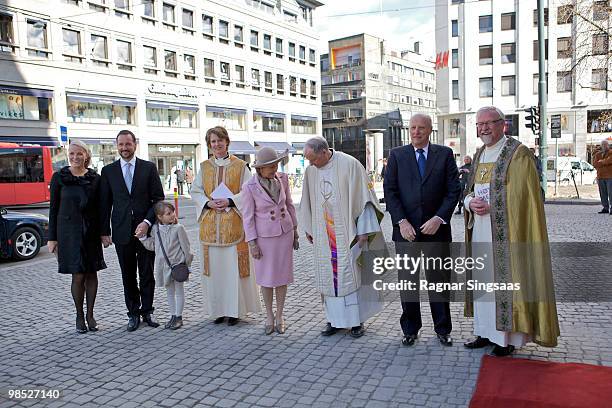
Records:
x=128, y=176
x=421, y=161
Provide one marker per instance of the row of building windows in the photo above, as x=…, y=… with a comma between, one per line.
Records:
x=393, y=66
x=212, y=27
x=599, y=82
x=565, y=15
x=600, y=46
x=175, y=65
x=99, y=111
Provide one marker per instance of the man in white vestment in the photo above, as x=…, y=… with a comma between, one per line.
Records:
x=340, y=215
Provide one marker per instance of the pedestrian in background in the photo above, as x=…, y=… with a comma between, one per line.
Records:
x=74, y=232
x=270, y=228
x=603, y=164
x=180, y=180
x=189, y=178
x=167, y=232
x=464, y=175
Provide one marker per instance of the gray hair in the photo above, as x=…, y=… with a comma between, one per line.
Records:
x=424, y=116
x=317, y=144
x=491, y=109
x=604, y=142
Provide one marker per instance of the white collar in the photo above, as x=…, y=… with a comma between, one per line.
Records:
x=132, y=162
x=425, y=149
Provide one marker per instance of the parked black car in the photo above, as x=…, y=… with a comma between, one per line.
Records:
x=22, y=234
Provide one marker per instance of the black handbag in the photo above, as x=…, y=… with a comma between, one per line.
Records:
x=180, y=272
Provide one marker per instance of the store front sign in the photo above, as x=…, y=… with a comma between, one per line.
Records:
x=174, y=90
x=169, y=149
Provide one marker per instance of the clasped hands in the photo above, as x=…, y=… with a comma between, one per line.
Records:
x=429, y=228
x=219, y=204
x=479, y=206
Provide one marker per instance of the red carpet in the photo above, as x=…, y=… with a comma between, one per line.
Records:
x=521, y=383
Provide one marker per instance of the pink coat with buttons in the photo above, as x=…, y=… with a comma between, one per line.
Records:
x=261, y=216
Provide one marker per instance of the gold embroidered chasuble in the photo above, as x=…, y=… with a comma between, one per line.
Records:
x=521, y=253
x=221, y=229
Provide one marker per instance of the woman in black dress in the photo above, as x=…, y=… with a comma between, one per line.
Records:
x=74, y=233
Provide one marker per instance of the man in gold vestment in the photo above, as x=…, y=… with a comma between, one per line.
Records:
x=506, y=224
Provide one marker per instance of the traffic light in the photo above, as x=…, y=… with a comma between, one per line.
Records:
x=533, y=119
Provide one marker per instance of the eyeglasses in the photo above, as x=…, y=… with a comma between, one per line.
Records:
x=487, y=124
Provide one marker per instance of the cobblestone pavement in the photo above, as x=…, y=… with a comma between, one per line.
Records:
x=203, y=364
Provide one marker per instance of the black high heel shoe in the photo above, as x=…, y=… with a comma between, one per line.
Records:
x=80, y=325
x=92, y=324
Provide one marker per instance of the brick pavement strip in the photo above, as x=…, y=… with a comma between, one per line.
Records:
x=204, y=364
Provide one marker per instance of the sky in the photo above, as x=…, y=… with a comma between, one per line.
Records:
x=401, y=24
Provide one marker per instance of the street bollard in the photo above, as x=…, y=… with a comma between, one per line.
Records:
x=176, y=201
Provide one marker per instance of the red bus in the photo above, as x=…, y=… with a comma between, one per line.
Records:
x=25, y=174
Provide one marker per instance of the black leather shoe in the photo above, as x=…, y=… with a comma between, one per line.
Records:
x=170, y=322
x=445, y=340
x=409, y=340
x=150, y=320
x=603, y=211
x=232, y=321
x=80, y=325
x=500, y=351
x=478, y=342
x=92, y=324
x=133, y=323
x=329, y=330
x=357, y=331
x=219, y=320
x=177, y=323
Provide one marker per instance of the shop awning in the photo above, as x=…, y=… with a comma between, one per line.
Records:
x=241, y=147
x=302, y=117
x=12, y=90
x=298, y=146
x=223, y=110
x=95, y=141
x=103, y=100
x=173, y=106
x=269, y=114
x=35, y=140
x=280, y=147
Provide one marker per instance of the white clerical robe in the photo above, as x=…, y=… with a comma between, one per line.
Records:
x=225, y=292
x=354, y=308
x=484, y=303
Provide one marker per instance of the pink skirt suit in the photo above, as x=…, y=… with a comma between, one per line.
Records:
x=271, y=224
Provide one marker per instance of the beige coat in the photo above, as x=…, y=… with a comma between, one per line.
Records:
x=176, y=244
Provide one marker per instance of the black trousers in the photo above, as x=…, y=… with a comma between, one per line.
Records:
x=134, y=256
x=179, y=189
x=410, y=321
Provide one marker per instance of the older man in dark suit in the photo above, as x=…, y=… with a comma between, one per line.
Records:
x=421, y=190
x=129, y=188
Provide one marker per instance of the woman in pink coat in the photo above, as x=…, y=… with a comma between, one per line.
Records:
x=270, y=228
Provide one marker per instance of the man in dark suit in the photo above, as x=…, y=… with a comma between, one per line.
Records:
x=421, y=191
x=129, y=188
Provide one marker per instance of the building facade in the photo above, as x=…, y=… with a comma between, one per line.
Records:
x=493, y=60
x=165, y=69
x=369, y=93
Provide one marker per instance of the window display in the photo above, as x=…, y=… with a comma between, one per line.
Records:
x=99, y=113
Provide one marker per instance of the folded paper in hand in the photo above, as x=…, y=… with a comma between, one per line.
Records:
x=222, y=192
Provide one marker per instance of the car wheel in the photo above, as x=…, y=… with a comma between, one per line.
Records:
x=26, y=243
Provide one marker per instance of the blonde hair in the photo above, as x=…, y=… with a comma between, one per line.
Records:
x=84, y=147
